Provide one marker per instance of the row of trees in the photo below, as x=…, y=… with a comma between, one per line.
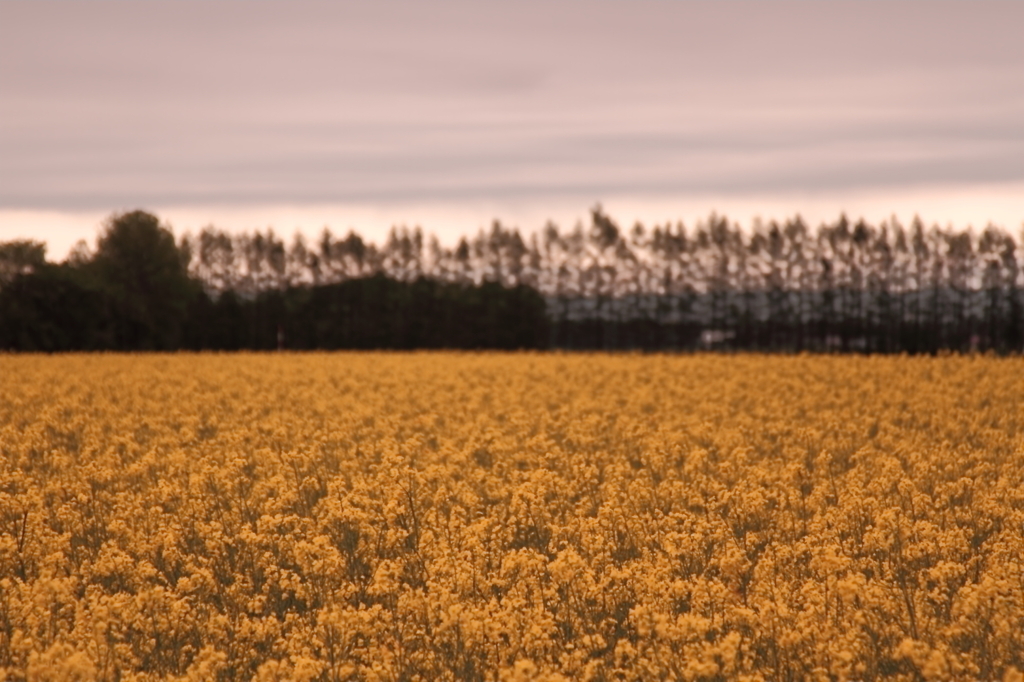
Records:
x=777, y=286
x=136, y=292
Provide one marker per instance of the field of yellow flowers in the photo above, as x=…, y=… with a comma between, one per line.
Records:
x=511, y=517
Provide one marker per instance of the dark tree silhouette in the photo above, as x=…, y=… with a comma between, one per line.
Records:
x=847, y=286
x=20, y=257
x=145, y=276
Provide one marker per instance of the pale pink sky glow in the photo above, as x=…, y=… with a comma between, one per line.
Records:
x=450, y=114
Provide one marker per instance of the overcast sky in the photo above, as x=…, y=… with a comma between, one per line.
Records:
x=449, y=114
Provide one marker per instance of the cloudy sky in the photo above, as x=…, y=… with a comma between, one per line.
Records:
x=449, y=114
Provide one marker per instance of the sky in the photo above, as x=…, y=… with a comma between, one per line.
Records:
x=450, y=114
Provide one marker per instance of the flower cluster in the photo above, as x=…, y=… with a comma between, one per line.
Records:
x=511, y=517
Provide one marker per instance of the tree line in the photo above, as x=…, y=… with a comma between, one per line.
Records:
x=139, y=290
x=844, y=286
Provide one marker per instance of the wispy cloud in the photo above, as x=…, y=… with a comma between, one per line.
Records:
x=231, y=104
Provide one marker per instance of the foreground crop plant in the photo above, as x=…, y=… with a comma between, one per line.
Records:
x=510, y=517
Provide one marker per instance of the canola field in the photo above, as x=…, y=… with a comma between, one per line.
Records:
x=388, y=517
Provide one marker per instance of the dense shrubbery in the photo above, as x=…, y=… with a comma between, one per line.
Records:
x=371, y=312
